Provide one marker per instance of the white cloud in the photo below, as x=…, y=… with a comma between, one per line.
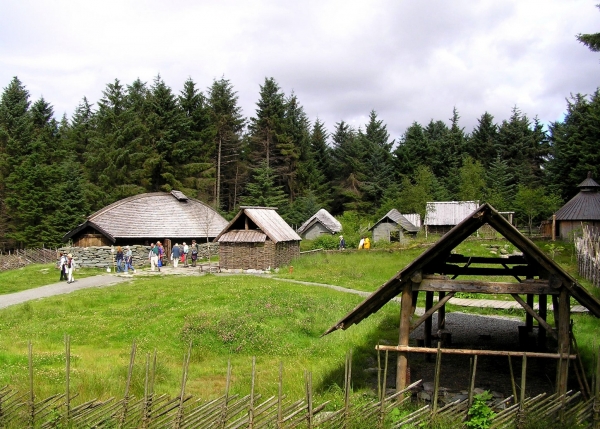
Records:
x=410, y=61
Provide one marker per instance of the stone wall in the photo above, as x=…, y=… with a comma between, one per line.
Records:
x=102, y=257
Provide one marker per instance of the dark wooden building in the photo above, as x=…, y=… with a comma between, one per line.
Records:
x=582, y=209
x=440, y=271
x=322, y=222
x=146, y=218
x=393, y=227
x=257, y=238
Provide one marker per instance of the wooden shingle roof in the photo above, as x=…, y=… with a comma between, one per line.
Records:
x=443, y=248
x=265, y=219
x=156, y=214
x=324, y=218
x=396, y=217
x=584, y=206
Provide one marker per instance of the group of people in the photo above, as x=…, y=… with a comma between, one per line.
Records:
x=66, y=265
x=364, y=243
x=184, y=254
x=124, y=260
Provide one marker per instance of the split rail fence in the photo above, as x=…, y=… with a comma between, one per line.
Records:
x=24, y=410
x=588, y=254
x=20, y=258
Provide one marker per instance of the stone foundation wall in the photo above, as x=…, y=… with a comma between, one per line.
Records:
x=102, y=257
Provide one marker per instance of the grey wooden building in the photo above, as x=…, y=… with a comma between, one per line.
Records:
x=322, y=222
x=146, y=218
x=442, y=216
x=393, y=227
x=257, y=238
x=582, y=209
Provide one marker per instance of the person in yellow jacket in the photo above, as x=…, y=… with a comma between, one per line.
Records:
x=367, y=243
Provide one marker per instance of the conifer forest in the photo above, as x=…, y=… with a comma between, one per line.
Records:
x=144, y=137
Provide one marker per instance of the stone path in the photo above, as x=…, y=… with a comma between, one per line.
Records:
x=111, y=279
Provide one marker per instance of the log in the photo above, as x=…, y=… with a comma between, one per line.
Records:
x=431, y=350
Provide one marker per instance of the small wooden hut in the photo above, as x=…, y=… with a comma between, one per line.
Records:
x=322, y=222
x=442, y=216
x=257, y=238
x=582, y=209
x=393, y=227
x=438, y=270
x=146, y=218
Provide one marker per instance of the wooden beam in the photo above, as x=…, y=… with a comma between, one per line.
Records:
x=429, y=313
x=473, y=352
x=528, y=316
x=446, y=285
x=405, y=315
x=532, y=312
x=564, y=339
x=442, y=311
x=428, y=305
x=451, y=269
x=511, y=260
x=543, y=310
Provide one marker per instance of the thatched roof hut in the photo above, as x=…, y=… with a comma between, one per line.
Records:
x=322, y=222
x=147, y=218
x=392, y=227
x=257, y=238
x=582, y=209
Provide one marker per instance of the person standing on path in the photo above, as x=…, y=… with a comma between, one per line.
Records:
x=128, y=259
x=194, y=248
x=153, y=257
x=119, y=259
x=175, y=254
x=186, y=249
x=62, y=265
x=70, y=268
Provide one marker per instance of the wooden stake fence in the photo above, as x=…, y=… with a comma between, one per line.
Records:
x=21, y=258
x=588, y=254
x=152, y=411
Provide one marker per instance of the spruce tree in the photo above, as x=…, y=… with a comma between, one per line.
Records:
x=226, y=126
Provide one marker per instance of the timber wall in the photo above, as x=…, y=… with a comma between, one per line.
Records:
x=257, y=256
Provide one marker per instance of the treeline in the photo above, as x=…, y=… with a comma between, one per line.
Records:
x=143, y=137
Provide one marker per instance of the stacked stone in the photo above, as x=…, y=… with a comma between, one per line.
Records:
x=103, y=256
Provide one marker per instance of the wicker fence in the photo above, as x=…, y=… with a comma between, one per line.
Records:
x=24, y=410
x=21, y=258
x=588, y=255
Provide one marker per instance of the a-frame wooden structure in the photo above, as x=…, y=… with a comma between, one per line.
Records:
x=439, y=270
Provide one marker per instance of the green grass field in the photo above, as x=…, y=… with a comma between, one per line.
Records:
x=229, y=317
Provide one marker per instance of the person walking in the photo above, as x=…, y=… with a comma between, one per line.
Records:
x=194, y=248
x=175, y=255
x=70, y=268
x=119, y=259
x=342, y=244
x=153, y=257
x=186, y=249
x=161, y=254
x=62, y=266
x=128, y=259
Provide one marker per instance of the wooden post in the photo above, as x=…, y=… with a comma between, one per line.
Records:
x=553, y=227
x=529, y=317
x=428, y=305
x=542, y=311
x=563, y=339
x=442, y=313
x=405, y=314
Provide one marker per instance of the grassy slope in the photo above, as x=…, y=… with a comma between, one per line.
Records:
x=233, y=317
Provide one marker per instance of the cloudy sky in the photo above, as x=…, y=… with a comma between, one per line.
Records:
x=408, y=60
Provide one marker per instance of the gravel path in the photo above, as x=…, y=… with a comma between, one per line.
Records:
x=59, y=289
